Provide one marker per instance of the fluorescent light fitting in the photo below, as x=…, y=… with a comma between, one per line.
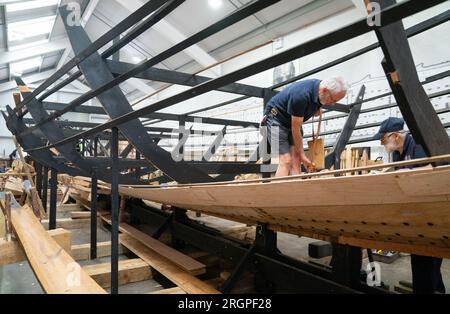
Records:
x=215, y=4
x=137, y=59
x=29, y=5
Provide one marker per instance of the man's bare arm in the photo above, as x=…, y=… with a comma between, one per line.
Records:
x=297, y=123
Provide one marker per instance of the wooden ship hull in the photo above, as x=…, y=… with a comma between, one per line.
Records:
x=406, y=211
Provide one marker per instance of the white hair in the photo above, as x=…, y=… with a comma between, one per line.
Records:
x=335, y=85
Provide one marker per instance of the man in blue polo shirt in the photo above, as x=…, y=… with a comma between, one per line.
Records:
x=426, y=271
x=287, y=111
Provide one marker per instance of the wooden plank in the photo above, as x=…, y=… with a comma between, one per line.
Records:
x=68, y=208
x=132, y=270
x=2, y=225
x=370, y=207
x=175, y=290
x=80, y=215
x=183, y=261
x=68, y=223
x=12, y=252
x=180, y=277
x=81, y=252
x=54, y=268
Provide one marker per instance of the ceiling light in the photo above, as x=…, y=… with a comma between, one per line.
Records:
x=28, y=5
x=215, y=4
x=18, y=68
x=137, y=59
x=21, y=30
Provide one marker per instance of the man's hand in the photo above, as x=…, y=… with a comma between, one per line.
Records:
x=306, y=162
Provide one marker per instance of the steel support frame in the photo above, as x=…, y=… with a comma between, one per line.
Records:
x=115, y=211
x=412, y=99
x=233, y=18
x=275, y=272
x=334, y=157
x=94, y=194
x=115, y=104
x=390, y=15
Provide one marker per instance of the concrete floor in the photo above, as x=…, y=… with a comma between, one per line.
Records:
x=391, y=274
x=20, y=279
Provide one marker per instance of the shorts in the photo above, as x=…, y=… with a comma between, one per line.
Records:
x=281, y=135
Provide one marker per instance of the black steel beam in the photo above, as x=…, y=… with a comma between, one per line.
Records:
x=212, y=121
x=51, y=130
x=335, y=156
x=412, y=99
x=281, y=276
x=115, y=211
x=93, y=248
x=410, y=32
x=390, y=15
x=44, y=157
x=120, y=43
x=123, y=26
x=235, y=17
x=207, y=167
x=115, y=104
x=180, y=78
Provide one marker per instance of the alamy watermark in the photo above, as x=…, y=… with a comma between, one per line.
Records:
x=373, y=271
x=183, y=150
x=374, y=17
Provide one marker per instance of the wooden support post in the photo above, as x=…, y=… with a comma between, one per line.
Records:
x=123, y=203
x=7, y=213
x=36, y=203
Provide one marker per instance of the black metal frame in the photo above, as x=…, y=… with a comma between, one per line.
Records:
x=275, y=272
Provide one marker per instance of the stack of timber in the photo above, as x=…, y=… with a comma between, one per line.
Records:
x=179, y=268
x=55, y=269
x=406, y=211
x=79, y=187
x=356, y=158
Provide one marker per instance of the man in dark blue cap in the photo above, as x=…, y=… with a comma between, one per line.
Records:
x=426, y=271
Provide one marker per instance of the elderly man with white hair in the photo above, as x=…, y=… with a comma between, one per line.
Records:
x=287, y=111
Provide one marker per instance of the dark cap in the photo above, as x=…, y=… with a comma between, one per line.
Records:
x=388, y=126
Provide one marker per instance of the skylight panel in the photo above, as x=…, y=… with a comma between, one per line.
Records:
x=29, y=5
x=30, y=28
